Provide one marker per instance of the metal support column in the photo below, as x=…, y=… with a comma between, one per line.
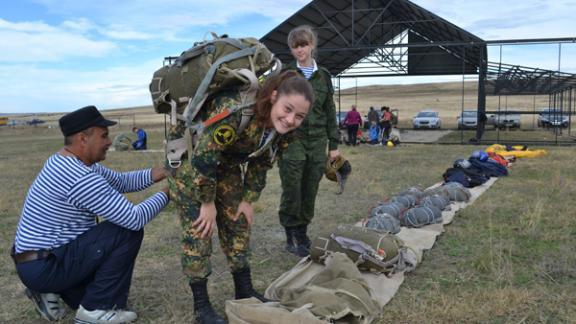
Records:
x=482, y=68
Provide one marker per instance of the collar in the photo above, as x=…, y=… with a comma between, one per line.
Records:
x=313, y=64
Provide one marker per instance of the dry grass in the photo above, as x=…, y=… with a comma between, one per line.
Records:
x=508, y=258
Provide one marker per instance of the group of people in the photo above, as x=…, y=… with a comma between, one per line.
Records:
x=381, y=126
x=63, y=254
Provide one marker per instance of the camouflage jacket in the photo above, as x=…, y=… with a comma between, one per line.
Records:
x=219, y=146
x=321, y=119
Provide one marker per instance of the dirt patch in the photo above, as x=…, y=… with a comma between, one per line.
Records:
x=422, y=136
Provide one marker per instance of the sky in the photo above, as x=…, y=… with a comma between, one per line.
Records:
x=60, y=55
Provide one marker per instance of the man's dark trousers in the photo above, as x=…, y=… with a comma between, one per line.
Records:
x=94, y=270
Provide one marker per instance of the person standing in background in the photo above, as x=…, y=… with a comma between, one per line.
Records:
x=373, y=116
x=352, y=122
x=386, y=123
x=140, y=143
x=302, y=164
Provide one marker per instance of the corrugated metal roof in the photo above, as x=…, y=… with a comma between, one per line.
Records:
x=349, y=31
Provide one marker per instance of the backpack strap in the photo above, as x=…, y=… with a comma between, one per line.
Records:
x=176, y=148
x=201, y=95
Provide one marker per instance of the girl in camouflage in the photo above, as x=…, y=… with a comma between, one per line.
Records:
x=212, y=190
x=302, y=163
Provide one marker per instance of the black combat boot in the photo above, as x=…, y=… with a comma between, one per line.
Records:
x=243, y=285
x=302, y=241
x=290, y=246
x=205, y=314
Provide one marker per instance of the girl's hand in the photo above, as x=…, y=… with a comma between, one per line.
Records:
x=246, y=209
x=206, y=222
x=334, y=155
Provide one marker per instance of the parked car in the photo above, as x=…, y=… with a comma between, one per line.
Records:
x=550, y=117
x=427, y=119
x=504, y=120
x=468, y=119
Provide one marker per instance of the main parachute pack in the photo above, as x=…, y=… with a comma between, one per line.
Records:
x=181, y=87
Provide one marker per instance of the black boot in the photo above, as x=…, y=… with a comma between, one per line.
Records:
x=290, y=246
x=243, y=285
x=302, y=241
x=205, y=314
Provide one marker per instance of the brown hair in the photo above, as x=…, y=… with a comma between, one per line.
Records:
x=286, y=83
x=303, y=35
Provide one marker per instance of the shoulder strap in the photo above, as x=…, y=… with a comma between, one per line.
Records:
x=201, y=95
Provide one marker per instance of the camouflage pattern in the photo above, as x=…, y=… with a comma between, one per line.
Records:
x=215, y=173
x=303, y=162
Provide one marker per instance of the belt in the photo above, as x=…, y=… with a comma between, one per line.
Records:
x=30, y=256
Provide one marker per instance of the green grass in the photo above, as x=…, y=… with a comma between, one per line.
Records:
x=508, y=258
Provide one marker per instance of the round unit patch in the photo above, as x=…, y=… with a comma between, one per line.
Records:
x=224, y=135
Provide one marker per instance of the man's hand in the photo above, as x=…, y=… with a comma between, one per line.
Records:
x=158, y=174
x=206, y=222
x=246, y=209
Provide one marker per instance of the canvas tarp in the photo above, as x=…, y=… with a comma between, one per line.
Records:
x=382, y=287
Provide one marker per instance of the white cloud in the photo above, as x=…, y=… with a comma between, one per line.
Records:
x=123, y=33
x=171, y=16
x=40, y=42
x=57, y=90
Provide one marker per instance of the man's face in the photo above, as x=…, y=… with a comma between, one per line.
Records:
x=97, y=143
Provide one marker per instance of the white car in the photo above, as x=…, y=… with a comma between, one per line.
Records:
x=427, y=119
x=468, y=119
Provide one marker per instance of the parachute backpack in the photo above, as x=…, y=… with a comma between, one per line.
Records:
x=181, y=88
x=372, y=250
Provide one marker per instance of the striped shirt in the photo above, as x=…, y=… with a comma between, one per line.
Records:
x=308, y=70
x=67, y=195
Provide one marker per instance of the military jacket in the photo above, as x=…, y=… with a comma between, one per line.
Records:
x=220, y=146
x=321, y=119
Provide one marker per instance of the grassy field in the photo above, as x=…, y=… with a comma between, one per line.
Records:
x=508, y=258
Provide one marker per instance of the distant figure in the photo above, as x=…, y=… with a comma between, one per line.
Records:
x=352, y=122
x=373, y=116
x=386, y=123
x=140, y=143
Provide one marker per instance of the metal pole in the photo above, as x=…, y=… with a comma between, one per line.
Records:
x=482, y=67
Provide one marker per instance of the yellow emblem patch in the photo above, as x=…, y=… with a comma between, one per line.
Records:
x=224, y=135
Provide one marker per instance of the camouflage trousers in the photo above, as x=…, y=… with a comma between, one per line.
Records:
x=301, y=170
x=234, y=236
